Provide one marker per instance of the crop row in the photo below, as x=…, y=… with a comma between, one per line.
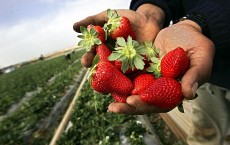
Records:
x=93, y=124
x=22, y=126
x=14, y=85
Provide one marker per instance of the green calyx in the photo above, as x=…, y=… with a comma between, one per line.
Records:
x=129, y=53
x=151, y=51
x=88, y=38
x=113, y=21
x=155, y=67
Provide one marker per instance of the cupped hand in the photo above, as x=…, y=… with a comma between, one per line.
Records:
x=146, y=22
x=200, y=50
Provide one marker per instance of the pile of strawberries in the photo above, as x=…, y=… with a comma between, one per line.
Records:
x=123, y=67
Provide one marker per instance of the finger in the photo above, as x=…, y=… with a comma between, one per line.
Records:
x=189, y=83
x=122, y=108
x=198, y=73
x=87, y=59
x=142, y=107
x=134, y=106
x=99, y=19
x=194, y=77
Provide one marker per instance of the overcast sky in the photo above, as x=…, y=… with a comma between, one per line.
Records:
x=29, y=28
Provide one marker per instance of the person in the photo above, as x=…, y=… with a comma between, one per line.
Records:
x=204, y=33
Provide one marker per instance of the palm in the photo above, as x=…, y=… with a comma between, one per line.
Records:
x=199, y=48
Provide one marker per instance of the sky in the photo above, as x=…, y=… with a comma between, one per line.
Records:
x=29, y=28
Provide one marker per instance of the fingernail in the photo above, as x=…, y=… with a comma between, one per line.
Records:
x=194, y=89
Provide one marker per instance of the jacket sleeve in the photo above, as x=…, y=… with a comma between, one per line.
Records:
x=217, y=15
x=173, y=9
x=215, y=12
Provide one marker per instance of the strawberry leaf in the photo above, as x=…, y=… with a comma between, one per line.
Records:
x=97, y=41
x=155, y=60
x=125, y=65
x=139, y=63
x=88, y=38
x=121, y=41
x=114, y=56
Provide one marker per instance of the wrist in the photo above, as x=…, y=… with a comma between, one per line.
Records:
x=153, y=13
x=198, y=22
x=191, y=23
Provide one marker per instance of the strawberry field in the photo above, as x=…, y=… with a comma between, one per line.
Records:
x=35, y=97
x=31, y=93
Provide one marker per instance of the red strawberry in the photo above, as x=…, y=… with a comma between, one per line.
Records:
x=118, y=26
x=103, y=52
x=142, y=82
x=100, y=31
x=91, y=36
x=106, y=78
x=164, y=93
x=175, y=63
x=119, y=97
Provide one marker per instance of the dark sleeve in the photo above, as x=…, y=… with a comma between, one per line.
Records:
x=217, y=15
x=173, y=9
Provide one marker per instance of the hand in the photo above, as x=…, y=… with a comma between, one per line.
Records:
x=134, y=106
x=146, y=21
x=187, y=34
x=200, y=49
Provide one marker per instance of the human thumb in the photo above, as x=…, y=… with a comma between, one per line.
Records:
x=189, y=83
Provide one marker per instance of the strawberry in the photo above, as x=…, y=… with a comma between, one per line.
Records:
x=164, y=93
x=91, y=36
x=142, y=82
x=105, y=78
x=101, y=32
x=175, y=63
x=118, y=26
x=103, y=52
x=119, y=97
x=129, y=53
